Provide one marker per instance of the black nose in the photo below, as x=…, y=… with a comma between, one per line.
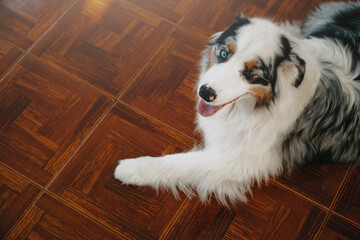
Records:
x=207, y=93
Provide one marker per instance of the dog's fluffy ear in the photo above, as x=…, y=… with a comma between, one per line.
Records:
x=293, y=69
x=214, y=37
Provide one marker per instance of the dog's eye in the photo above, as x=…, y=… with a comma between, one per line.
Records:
x=223, y=55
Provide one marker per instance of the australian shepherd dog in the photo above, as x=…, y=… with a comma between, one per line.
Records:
x=271, y=97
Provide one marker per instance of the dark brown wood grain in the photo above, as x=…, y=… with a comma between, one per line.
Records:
x=271, y=213
x=348, y=203
x=166, y=88
x=23, y=22
x=210, y=16
x=51, y=219
x=44, y=115
x=8, y=57
x=16, y=195
x=86, y=83
x=339, y=228
x=319, y=182
x=87, y=182
x=172, y=10
x=103, y=37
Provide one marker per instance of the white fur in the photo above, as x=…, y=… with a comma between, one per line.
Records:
x=242, y=144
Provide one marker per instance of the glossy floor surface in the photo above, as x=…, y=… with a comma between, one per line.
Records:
x=85, y=83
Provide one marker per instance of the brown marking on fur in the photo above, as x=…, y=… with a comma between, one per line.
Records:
x=263, y=96
x=232, y=46
x=251, y=64
x=212, y=58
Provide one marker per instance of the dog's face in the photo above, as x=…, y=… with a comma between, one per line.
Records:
x=247, y=60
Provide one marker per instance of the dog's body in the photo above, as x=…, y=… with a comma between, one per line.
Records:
x=272, y=97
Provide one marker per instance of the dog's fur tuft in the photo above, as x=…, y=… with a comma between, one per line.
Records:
x=273, y=96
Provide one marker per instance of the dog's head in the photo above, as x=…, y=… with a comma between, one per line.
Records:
x=247, y=60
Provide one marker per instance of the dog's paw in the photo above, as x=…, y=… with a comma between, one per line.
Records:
x=132, y=171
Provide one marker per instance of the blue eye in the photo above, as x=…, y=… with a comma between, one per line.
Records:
x=223, y=54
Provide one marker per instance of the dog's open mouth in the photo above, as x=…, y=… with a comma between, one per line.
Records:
x=207, y=110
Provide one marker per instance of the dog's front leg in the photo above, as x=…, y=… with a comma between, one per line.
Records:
x=163, y=171
x=204, y=171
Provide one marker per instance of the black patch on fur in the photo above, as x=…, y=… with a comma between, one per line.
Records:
x=260, y=81
x=349, y=19
x=257, y=74
x=328, y=129
x=285, y=55
x=301, y=69
x=345, y=28
x=240, y=21
x=285, y=46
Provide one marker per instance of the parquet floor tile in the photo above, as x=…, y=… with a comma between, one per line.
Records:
x=103, y=42
x=23, y=22
x=348, y=203
x=87, y=181
x=8, y=57
x=51, y=219
x=338, y=228
x=16, y=195
x=319, y=182
x=86, y=83
x=210, y=16
x=171, y=10
x=271, y=213
x=44, y=115
x=166, y=87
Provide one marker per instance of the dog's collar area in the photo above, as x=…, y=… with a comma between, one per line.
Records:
x=207, y=110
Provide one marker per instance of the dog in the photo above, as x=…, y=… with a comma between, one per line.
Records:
x=272, y=96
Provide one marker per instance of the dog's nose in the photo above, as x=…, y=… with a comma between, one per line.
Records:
x=207, y=93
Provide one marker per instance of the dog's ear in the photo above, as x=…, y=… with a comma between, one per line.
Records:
x=241, y=19
x=293, y=69
x=214, y=37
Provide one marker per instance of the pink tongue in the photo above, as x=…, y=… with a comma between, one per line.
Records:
x=207, y=110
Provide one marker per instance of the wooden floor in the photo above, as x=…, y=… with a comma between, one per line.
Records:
x=85, y=83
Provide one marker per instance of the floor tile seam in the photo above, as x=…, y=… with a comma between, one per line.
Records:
x=45, y=189
x=57, y=68
x=357, y=224
x=9, y=70
x=196, y=142
x=12, y=45
x=326, y=220
x=47, y=30
x=28, y=51
x=78, y=147
x=322, y=226
x=73, y=76
x=17, y=223
x=340, y=190
x=173, y=220
x=186, y=13
x=149, y=12
x=52, y=25
x=79, y=211
x=160, y=46
x=302, y=196
x=145, y=64
x=25, y=178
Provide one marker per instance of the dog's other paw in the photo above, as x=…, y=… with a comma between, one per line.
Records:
x=133, y=171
